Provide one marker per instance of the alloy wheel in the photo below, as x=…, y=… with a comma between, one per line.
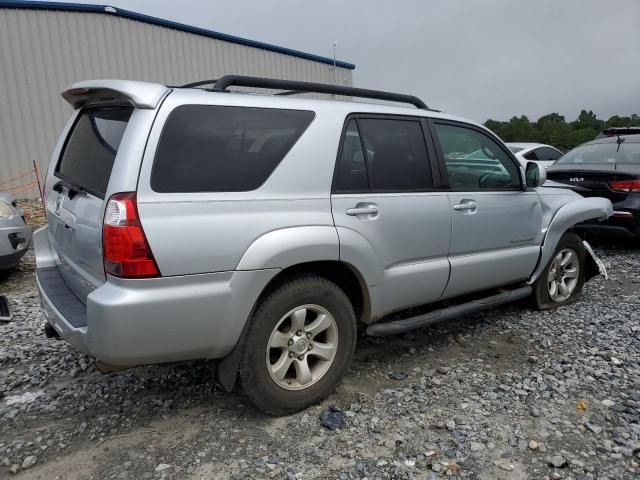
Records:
x=563, y=275
x=302, y=347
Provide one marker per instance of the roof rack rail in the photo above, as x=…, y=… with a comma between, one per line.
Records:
x=198, y=84
x=291, y=87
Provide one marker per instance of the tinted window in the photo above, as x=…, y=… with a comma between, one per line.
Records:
x=475, y=161
x=206, y=148
x=603, y=153
x=532, y=155
x=396, y=154
x=546, y=153
x=351, y=174
x=88, y=155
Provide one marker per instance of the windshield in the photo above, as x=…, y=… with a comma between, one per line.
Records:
x=515, y=149
x=603, y=153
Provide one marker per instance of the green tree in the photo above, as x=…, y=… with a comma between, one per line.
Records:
x=588, y=120
x=554, y=129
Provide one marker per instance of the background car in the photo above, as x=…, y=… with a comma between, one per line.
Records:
x=607, y=167
x=15, y=235
x=535, y=152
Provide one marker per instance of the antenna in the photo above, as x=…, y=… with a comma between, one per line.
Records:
x=334, y=62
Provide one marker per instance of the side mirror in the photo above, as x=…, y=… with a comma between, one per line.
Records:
x=535, y=174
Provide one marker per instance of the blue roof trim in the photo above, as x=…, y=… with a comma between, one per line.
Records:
x=81, y=7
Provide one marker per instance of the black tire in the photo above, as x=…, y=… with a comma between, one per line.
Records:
x=255, y=378
x=541, y=298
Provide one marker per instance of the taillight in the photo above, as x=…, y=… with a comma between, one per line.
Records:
x=125, y=249
x=625, y=185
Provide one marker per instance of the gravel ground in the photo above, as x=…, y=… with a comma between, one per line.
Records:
x=505, y=394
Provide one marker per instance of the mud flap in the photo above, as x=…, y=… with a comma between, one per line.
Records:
x=594, y=265
x=226, y=370
x=5, y=311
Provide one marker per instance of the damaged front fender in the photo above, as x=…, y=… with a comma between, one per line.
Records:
x=570, y=214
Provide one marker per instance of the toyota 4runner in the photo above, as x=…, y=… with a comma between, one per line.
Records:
x=263, y=230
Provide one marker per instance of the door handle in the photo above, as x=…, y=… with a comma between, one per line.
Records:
x=363, y=209
x=466, y=205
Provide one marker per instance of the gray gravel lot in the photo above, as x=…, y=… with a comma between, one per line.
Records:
x=505, y=394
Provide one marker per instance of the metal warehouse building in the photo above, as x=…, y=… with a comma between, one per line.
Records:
x=46, y=46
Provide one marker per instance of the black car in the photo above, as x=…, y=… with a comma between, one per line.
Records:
x=606, y=167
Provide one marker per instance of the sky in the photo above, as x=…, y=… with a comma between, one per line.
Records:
x=476, y=58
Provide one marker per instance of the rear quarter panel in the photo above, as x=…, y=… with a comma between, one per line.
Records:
x=212, y=231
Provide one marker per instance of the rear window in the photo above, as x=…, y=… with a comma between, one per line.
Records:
x=610, y=152
x=88, y=155
x=205, y=148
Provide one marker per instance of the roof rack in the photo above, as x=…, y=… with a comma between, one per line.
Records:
x=198, y=84
x=292, y=87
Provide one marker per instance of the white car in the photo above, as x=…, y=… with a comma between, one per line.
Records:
x=535, y=152
x=15, y=235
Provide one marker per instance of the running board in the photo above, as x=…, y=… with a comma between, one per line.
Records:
x=396, y=327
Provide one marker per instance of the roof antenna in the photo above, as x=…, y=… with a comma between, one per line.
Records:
x=619, y=141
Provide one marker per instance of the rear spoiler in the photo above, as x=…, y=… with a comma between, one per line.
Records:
x=617, y=131
x=138, y=94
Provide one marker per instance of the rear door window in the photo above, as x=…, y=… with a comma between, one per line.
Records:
x=546, y=153
x=351, y=173
x=91, y=148
x=383, y=155
x=396, y=154
x=207, y=148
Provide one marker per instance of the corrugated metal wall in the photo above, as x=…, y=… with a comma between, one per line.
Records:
x=44, y=51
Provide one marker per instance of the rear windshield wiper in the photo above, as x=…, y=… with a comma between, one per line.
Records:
x=72, y=189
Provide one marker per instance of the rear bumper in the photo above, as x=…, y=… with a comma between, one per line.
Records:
x=624, y=222
x=157, y=320
x=15, y=238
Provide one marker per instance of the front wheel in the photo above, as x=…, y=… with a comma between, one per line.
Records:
x=563, y=278
x=299, y=344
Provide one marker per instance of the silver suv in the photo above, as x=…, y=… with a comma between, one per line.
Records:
x=263, y=230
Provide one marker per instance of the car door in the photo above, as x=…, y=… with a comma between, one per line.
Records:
x=496, y=225
x=392, y=216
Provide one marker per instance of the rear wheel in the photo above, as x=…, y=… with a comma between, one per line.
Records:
x=298, y=346
x=563, y=278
